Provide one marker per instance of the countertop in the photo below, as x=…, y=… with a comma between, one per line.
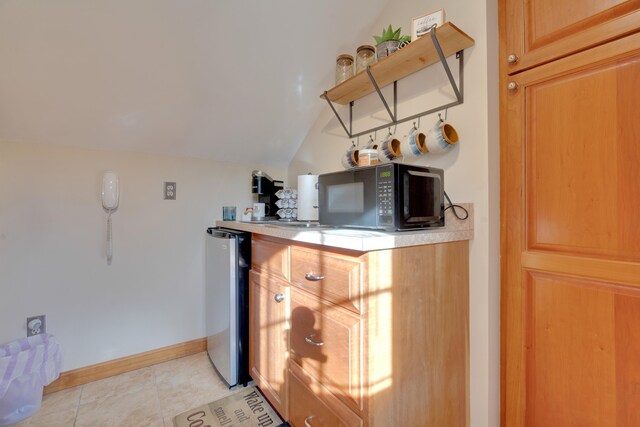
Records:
x=360, y=239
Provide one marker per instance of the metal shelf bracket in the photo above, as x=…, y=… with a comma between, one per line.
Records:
x=324, y=95
x=381, y=96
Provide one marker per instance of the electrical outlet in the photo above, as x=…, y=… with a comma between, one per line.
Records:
x=36, y=325
x=169, y=190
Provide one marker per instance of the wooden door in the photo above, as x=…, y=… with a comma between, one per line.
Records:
x=269, y=338
x=571, y=241
x=539, y=31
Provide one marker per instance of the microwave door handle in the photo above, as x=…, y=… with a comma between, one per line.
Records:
x=425, y=174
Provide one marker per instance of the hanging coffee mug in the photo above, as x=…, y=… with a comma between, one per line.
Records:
x=389, y=149
x=441, y=138
x=414, y=144
x=350, y=157
x=372, y=144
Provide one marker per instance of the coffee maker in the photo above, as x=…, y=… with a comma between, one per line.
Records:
x=266, y=188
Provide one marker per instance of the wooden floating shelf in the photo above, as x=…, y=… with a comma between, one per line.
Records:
x=414, y=57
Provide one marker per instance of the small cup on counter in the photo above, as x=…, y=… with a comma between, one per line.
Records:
x=228, y=213
x=247, y=214
x=259, y=211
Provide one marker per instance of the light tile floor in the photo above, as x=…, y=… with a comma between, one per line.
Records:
x=147, y=397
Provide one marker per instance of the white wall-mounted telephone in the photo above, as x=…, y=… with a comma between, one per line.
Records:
x=110, y=199
x=110, y=194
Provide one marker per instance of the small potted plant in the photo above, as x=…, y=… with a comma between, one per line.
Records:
x=389, y=42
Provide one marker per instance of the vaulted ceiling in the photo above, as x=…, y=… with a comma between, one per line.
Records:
x=221, y=79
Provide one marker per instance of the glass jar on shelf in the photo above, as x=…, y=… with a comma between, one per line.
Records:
x=344, y=67
x=365, y=55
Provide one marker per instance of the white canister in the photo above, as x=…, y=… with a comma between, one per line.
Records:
x=307, y=205
x=368, y=157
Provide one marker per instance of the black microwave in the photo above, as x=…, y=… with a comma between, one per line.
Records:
x=390, y=196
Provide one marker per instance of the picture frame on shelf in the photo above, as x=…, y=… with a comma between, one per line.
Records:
x=420, y=24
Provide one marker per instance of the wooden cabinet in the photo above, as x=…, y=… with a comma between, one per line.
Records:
x=269, y=338
x=270, y=257
x=418, y=336
x=376, y=339
x=540, y=31
x=570, y=241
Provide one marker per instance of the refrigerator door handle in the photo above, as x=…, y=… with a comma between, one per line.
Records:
x=220, y=234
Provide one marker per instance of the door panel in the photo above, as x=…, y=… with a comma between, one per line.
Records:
x=627, y=320
x=549, y=19
x=270, y=257
x=570, y=193
x=539, y=31
x=571, y=352
x=583, y=191
x=582, y=341
x=269, y=339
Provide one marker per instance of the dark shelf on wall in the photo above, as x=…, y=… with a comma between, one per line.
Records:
x=429, y=49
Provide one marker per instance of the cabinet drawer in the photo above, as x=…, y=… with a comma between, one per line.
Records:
x=314, y=406
x=336, y=278
x=326, y=342
x=270, y=257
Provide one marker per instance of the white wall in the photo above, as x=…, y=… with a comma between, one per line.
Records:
x=52, y=237
x=143, y=75
x=471, y=169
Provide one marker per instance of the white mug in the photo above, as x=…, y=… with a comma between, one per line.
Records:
x=389, y=149
x=441, y=138
x=258, y=211
x=413, y=145
x=350, y=157
x=372, y=145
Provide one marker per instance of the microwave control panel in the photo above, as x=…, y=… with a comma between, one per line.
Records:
x=385, y=195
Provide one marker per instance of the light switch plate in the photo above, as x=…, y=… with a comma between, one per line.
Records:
x=169, y=190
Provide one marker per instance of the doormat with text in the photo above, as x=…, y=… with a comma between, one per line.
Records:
x=245, y=408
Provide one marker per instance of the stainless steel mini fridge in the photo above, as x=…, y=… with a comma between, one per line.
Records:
x=227, y=262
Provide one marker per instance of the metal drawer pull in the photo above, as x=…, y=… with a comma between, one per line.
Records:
x=279, y=297
x=306, y=421
x=309, y=340
x=312, y=277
